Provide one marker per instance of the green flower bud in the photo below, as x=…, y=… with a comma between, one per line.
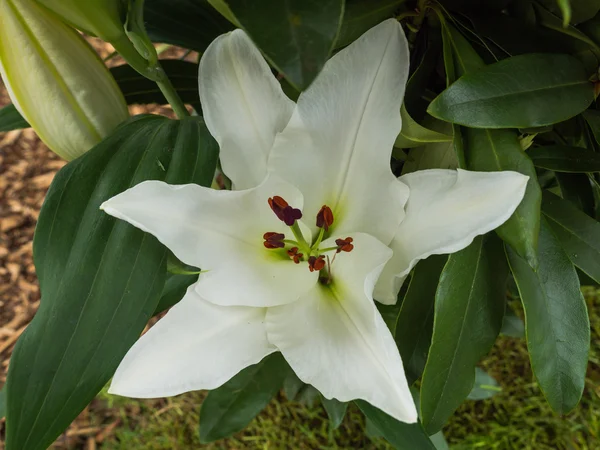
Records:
x=56, y=80
x=101, y=18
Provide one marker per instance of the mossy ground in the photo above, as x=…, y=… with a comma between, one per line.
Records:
x=516, y=418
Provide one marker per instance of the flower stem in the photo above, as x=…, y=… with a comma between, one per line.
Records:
x=166, y=87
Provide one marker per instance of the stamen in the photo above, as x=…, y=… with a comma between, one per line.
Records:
x=316, y=263
x=284, y=211
x=325, y=217
x=294, y=255
x=344, y=245
x=273, y=240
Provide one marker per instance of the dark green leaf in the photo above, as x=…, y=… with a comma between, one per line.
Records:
x=336, y=411
x=578, y=233
x=231, y=407
x=100, y=277
x=362, y=15
x=520, y=92
x=292, y=384
x=577, y=189
x=11, y=119
x=592, y=117
x=415, y=135
x=174, y=290
x=192, y=24
x=556, y=319
x=2, y=403
x=469, y=307
x=439, y=441
x=485, y=386
x=297, y=36
x=414, y=325
x=561, y=158
x=138, y=89
x=496, y=150
x=402, y=436
x=512, y=325
x=578, y=10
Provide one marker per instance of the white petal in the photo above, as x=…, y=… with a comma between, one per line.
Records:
x=446, y=210
x=337, y=147
x=197, y=345
x=243, y=106
x=335, y=339
x=221, y=232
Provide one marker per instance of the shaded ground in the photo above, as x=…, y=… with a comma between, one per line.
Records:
x=517, y=418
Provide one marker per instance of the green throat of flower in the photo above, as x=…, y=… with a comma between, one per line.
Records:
x=298, y=249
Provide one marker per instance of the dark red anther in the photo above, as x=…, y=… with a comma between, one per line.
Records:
x=283, y=211
x=344, y=245
x=293, y=254
x=316, y=263
x=273, y=240
x=325, y=217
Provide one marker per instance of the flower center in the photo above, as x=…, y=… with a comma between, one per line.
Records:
x=298, y=249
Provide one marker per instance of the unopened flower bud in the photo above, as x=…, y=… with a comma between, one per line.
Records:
x=56, y=80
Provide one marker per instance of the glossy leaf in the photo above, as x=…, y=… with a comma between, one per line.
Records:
x=415, y=135
x=469, y=307
x=556, y=320
x=336, y=411
x=192, y=24
x=485, y=386
x=414, y=325
x=561, y=158
x=10, y=119
x=300, y=37
x=360, y=16
x=400, y=435
x=494, y=150
x=578, y=233
x=524, y=91
x=100, y=277
x=231, y=407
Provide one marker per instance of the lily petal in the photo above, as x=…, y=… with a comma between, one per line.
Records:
x=335, y=339
x=197, y=345
x=243, y=106
x=342, y=133
x=221, y=232
x=446, y=210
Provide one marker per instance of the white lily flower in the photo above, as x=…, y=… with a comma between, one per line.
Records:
x=292, y=259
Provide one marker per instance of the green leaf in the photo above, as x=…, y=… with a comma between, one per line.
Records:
x=414, y=325
x=577, y=10
x=439, y=441
x=415, y=135
x=2, y=403
x=592, y=117
x=497, y=150
x=512, y=325
x=561, y=158
x=173, y=291
x=191, y=24
x=300, y=36
x=485, y=386
x=577, y=189
x=229, y=408
x=469, y=307
x=292, y=384
x=11, y=119
x=138, y=89
x=401, y=435
x=336, y=411
x=524, y=91
x=556, y=320
x=100, y=277
x=578, y=233
x=362, y=15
